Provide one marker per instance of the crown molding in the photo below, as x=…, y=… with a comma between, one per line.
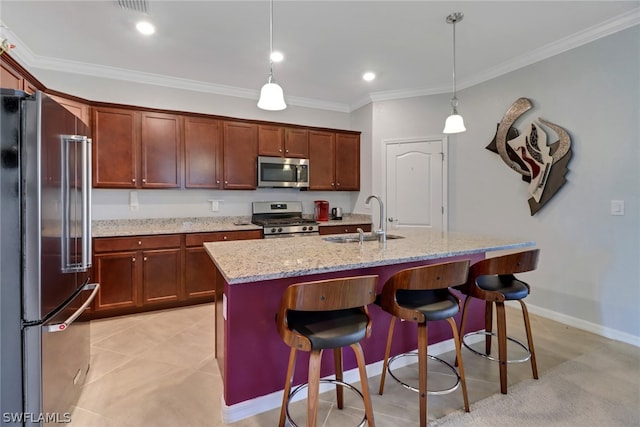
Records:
x=29, y=60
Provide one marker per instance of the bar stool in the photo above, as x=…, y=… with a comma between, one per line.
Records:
x=422, y=295
x=493, y=281
x=327, y=314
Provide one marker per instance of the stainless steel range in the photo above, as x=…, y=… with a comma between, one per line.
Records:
x=282, y=219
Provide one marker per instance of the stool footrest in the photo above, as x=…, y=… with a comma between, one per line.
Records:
x=495, y=359
x=412, y=388
x=337, y=382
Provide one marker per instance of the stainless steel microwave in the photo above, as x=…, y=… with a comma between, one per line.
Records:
x=283, y=172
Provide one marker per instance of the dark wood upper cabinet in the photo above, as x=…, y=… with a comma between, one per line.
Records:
x=347, y=162
x=296, y=143
x=334, y=161
x=161, y=148
x=270, y=140
x=115, y=148
x=280, y=141
x=322, y=152
x=240, y=155
x=202, y=152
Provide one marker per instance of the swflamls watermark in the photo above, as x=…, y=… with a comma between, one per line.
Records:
x=31, y=417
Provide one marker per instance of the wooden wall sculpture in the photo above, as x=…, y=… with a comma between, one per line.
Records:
x=542, y=165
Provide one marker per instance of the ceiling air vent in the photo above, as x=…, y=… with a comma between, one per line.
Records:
x=141, y=6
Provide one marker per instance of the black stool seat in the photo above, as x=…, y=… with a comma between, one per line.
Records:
x=507, y=285
x=329, y=329
x=434, y=305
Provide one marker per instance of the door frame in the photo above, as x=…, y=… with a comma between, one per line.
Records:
x=444, y=139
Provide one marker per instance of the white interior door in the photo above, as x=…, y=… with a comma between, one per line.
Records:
x=416, y=184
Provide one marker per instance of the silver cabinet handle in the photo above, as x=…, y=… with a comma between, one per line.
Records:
x=59, y=327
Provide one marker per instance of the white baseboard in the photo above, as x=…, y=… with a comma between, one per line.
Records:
x=585, y=325
x=248, y=408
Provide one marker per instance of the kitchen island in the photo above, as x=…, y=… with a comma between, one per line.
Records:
x=252, y=275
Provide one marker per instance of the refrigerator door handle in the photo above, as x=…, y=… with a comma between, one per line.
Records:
x=68, y=264
x=59, y=327
x=86, y=203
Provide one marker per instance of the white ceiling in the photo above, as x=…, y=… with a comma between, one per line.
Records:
x=223, y=46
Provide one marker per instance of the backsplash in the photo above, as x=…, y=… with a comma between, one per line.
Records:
x=139, y=204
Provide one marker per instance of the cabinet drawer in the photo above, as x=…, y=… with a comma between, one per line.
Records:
x=110, y=244
x=197, y=239
x=340, y=229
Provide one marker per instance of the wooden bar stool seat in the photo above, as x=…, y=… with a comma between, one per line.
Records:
x=328, y=314
x=422, y=295
x=493, y=281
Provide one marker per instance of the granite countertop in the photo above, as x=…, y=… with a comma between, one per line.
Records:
x=257, y=260
x=151, y=226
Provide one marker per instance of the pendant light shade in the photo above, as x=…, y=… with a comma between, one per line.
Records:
x=271, y=94
x=271, y=97
x=454, y=123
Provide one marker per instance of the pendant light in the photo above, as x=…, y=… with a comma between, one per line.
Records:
x=271, y=95
x=454, y=123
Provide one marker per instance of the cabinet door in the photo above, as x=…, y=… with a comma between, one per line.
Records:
x=240, y=154
x=161, y=145
x=347, y=162
x=199, y=274
x=322, y=151
x=116, y=272
x=270, y=141
x=202, y=148
x=10, y=78
x=114, y=148
x=76, y=108
x=161, y=275
x=296, y=143
x=341, y=229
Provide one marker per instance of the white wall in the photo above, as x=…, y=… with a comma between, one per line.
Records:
x=589, y=271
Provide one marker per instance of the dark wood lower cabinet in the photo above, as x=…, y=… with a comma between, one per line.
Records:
x=142, y=273
x=341, y=229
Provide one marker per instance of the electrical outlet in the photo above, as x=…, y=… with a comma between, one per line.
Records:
x=133, y=201
x=215, y=205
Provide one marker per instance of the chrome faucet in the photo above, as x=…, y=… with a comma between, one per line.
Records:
x=381, y=232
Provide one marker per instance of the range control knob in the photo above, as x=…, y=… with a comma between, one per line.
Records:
x=304, y=228
x=273, y=230
x=280, y=230
x=310, y=228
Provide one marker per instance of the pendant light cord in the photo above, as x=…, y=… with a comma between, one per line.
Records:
x=454, y=60
x=270, y=40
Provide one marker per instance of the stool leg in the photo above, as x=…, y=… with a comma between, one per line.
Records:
x=314, y=387
x=502, y=345
x=463, y=320
x=527, y=327
x=287, y=385
x=456, y=340
x=386, y=355
x=422, y=371
x=488, y=325
x=337, y=361
x=364, y=383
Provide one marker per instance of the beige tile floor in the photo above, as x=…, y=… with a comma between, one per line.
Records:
x=157, y=369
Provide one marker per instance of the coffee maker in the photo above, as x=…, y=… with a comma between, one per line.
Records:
x=321, y=212
x=336, y=213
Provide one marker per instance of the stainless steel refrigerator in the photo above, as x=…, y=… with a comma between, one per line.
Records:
x=45, y=259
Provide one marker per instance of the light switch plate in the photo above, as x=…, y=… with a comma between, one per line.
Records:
x=617, y=207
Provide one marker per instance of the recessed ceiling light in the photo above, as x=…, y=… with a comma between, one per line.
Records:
x=276, y=56
x=368, y=76
x=145, y=28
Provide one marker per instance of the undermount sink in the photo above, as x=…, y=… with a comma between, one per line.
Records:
x=355, y=238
